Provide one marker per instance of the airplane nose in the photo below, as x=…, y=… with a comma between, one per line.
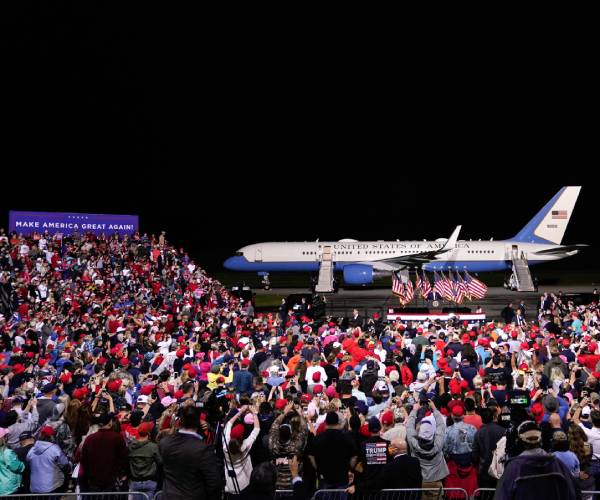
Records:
x=234, y=263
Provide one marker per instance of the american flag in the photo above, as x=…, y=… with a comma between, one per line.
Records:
x=397, y=285
x=439, y=285
x=463, y=286
x=418, y=282
x=559, y=214
x=457, y=291
x=409, y=292
x=425, y=287
x=477, y=289
x=447, y=284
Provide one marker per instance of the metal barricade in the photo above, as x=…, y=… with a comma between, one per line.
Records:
x=99, y=495
x=483, y=494
x=400, y=494
x=284, y=494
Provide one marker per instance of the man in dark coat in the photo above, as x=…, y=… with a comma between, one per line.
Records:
x=189, y=465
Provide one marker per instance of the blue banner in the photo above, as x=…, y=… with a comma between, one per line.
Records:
x=69, y=223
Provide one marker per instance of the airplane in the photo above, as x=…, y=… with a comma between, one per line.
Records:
x=361, y=262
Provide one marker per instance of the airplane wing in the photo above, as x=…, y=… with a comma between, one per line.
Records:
x=424, y=257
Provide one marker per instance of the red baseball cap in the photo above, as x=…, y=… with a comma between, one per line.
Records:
x=457, y=411
x=387, y=418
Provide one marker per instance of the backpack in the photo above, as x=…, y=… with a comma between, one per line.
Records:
x=496, y=468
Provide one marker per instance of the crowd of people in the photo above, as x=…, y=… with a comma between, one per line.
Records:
x=124, y=366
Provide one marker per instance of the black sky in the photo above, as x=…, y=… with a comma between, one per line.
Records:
x=225, y=138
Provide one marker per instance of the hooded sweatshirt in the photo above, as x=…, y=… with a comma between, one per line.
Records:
x=10, y=471
x=428, y=451
x=144, y=459
x=47, y=462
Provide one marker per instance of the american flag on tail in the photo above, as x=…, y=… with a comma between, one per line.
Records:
x=477, y=289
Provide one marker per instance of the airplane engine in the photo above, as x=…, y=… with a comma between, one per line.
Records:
x=358, y=274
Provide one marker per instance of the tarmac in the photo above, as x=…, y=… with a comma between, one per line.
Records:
x=380, y=300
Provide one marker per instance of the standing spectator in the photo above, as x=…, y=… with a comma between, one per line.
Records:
x=484, y=444
x=190, y=468
x=373, y=452
x=458, y=448
x=144, y=461
x=46, y=403
x=332, y=454
x=287, y=439
x=16, y=424
x=11, y=467
x=26, y=442
x=508, y=314
x=533, y=458
x=103, y=458
x=242, y=378
x=48, y=464
x=426, y=441
x=402, y=472
x=356, y=321
x=236, y=449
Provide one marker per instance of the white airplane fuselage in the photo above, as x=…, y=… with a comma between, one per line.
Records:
x=539, y=241
x=475, y=256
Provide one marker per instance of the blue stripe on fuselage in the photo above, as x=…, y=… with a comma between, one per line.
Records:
x=239, y=263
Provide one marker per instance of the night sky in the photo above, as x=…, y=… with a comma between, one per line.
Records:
x=229, y=140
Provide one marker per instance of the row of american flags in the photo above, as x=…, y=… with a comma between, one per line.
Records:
x=452, y=287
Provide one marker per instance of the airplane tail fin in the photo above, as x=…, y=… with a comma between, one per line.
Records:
x=550, y=223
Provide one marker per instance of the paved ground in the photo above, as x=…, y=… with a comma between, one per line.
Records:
x=380, y=299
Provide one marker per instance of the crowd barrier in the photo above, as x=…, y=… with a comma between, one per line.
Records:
x=101, y=495
x=401, y=494
x=284, y=494
x=483, y=494
x=488, y=494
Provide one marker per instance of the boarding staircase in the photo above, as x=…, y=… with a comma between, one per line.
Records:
x=325, y=281
x=521, y=273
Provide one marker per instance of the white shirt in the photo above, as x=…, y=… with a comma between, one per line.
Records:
x=593, y=436
x=360, y=395
x=313, y=369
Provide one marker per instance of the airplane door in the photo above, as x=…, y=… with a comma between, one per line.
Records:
x=326, y=255
x=515, y=252
x=258, y=255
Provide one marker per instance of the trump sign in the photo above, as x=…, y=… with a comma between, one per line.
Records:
x=69, y=223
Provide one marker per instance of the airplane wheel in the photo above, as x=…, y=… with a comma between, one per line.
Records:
x=267, y=287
